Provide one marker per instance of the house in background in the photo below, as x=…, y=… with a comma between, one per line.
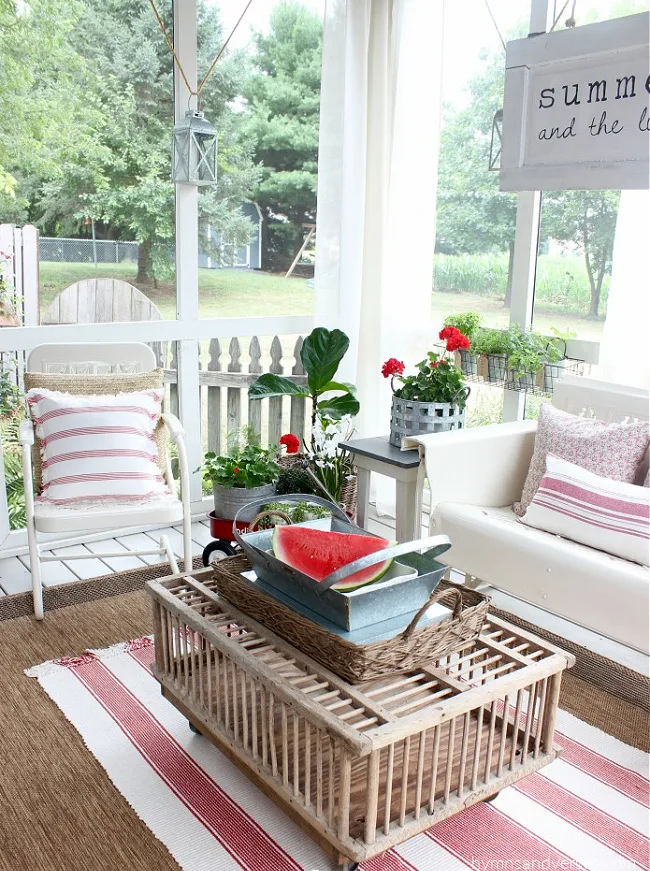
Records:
x=244, y=257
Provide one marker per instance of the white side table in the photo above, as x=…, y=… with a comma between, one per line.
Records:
x=378, y=455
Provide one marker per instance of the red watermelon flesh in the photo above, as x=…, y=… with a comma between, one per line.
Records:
x=318, y=552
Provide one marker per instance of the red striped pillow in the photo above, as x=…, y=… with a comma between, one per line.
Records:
x=98, y=449
x=613, y=516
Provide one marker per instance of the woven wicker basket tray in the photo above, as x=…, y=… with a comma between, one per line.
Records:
x=353, y=662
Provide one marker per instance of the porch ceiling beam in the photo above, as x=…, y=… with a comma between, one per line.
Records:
x=26, y=338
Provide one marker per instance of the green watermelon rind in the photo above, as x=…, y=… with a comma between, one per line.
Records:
x=344, y=586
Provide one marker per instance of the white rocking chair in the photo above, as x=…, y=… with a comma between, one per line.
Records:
x=106, y=358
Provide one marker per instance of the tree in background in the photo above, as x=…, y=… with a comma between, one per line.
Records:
x=43, y=106
x=588, y=220
x=474, y=216
x=283, y=93
x=114, y=164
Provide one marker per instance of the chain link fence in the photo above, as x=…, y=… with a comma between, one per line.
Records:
x=87, y=251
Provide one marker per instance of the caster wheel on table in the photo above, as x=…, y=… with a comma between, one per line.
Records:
x=193, y=728
x=351, y=866
x=216, y=551
x=491, y=798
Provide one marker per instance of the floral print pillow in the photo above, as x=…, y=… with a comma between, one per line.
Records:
x=613, y=450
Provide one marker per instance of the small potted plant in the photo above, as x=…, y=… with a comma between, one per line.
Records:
x=527, y=357
x=469, y=324
x=333, y=405
x=249, y=471
x=556, y=357
x=496, y=345
x=432, y=400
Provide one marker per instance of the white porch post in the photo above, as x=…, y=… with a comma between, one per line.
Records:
x=187, y=255
x=524, y=264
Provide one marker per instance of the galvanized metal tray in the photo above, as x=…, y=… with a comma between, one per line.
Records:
x=405, y=588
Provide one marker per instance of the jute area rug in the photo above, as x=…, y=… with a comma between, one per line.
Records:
x=61, y=811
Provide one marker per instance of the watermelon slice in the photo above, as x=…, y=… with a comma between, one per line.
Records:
x=318, y=552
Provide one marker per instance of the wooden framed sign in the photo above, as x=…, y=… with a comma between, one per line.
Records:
x=576, y=113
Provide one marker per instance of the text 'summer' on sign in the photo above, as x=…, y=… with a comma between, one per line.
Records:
x=577, y=108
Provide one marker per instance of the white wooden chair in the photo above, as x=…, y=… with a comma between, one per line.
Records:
x=106, y=358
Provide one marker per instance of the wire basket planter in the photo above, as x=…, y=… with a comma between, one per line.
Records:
x=492, y=369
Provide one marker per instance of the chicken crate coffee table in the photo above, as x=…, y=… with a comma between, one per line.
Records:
x=360, y=768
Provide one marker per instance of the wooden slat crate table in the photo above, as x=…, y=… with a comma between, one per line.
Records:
x=360, y=768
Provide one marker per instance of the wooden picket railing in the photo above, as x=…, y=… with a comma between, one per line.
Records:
x=224, y=378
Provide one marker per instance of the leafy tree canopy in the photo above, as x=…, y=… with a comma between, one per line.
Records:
x=474, y=216
x=283, y=94
x=99, y=84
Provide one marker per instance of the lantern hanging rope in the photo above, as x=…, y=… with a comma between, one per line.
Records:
x=194, y=141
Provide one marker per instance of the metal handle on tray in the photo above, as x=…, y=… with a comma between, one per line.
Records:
x=437, y=543
x=436, y=596
x=289, y=497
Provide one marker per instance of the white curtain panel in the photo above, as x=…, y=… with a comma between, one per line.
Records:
x=378, y=168
x=625, y=345
x=378, y=159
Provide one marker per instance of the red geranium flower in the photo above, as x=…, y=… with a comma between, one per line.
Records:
x=236, y=470
x=291, y=443
x=458, y=343
x=392, y=366
x=449, y=333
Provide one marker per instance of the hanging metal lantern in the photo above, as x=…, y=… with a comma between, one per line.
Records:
x=194, y=158
x=495, y=141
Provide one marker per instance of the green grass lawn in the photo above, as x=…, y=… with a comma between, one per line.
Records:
x=247, y=293
x=222, y=292
x=495, y=315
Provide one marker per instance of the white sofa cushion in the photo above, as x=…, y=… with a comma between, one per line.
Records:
x=609, y=515
x=604, y=593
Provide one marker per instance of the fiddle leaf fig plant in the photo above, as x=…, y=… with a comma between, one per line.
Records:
x=321, y=354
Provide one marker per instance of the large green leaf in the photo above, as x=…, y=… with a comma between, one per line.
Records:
x=321, y=353
x=337, y=406
x=274, y=385
x=345, y=386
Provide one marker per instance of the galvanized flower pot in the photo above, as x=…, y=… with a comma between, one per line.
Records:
x=229, y=500
x=497, y=367
x=525, y=381
x=468, y=362
x=410, y=418
x=552, y=374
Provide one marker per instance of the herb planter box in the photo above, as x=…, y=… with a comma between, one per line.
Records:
x=497, y=366
x=552, y=373
x=525, y=381
x=468, y=362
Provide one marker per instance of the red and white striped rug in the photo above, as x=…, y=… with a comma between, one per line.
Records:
x=588, y=811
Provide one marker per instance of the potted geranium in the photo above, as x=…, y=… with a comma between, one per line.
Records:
x=434, y=398
x=469, y=324
x=249, y=471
